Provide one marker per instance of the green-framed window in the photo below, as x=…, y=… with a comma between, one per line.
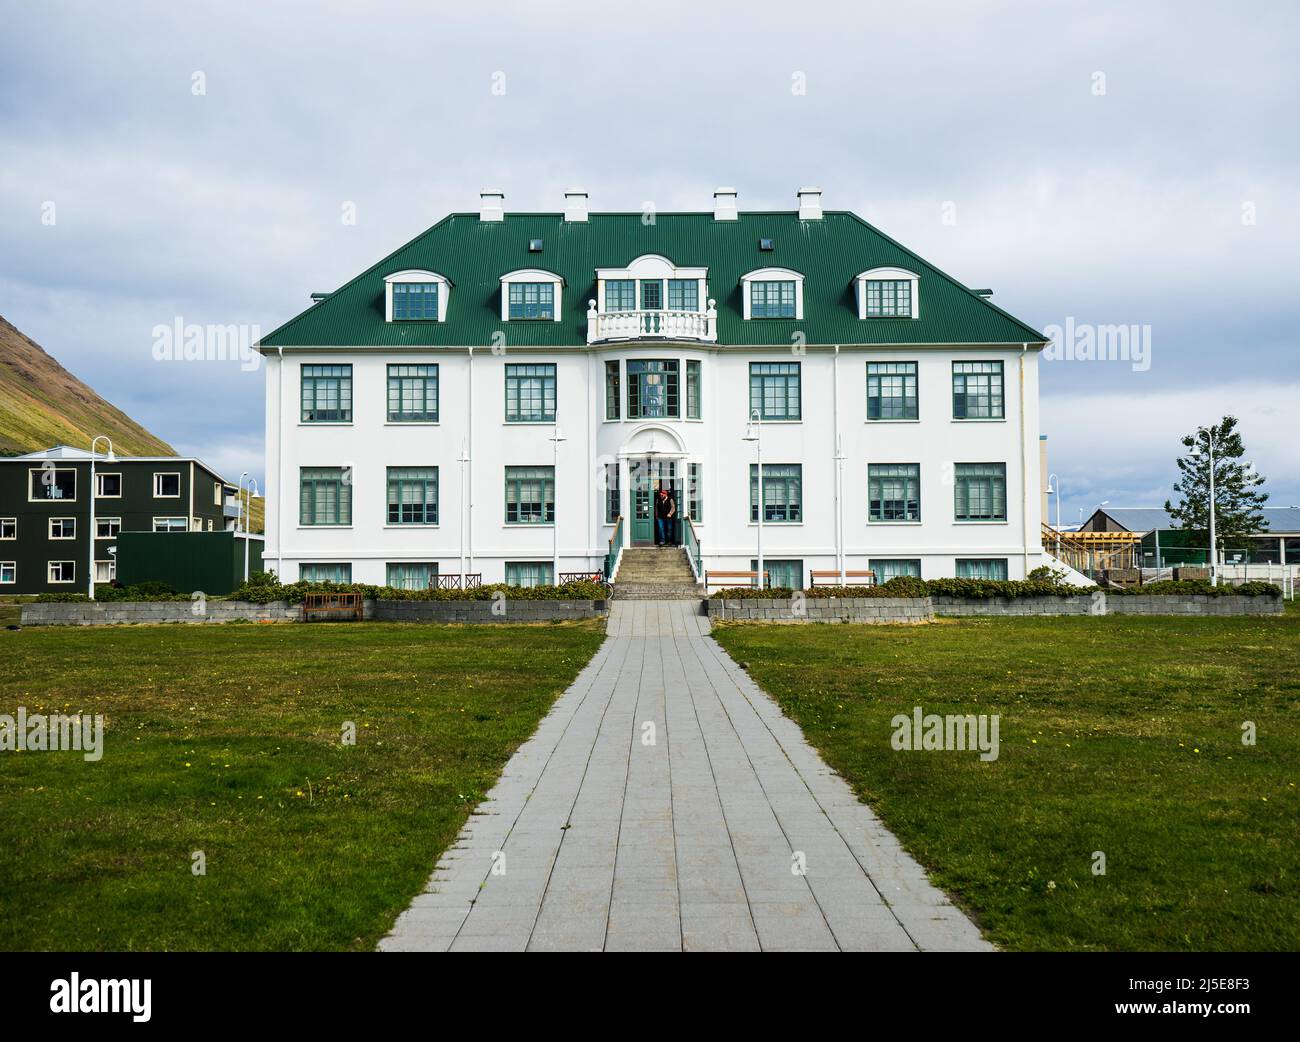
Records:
x=530, y=495
x=980, y=491
x=531, y=300
x=982, y=568
x=620, y=295
x=891, y=391
x=612, y=390
x=894, y=492
x=325, y=572
x=412, y=495
x=530, y=393
x=652, y=294
x=412, y=394
x=772, y=299
x=693, y=388
x=612, y=501
x=889, y=298
x=781, y=574
x=887, y=568
x=774, y=390
x=415, y=300
x=782, y=493
x=412, y=575
x=695, y=491
x=327, y=394
x=683, y=295
x=530, y=573
x=325, y=496
x=977, y=391
x=652, y=389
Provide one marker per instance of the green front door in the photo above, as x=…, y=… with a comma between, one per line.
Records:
x=643, y=521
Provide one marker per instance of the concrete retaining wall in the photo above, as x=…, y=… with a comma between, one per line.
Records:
x=482, y=611
x=824, y=609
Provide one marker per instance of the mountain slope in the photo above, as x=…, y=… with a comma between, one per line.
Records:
x=42, y=404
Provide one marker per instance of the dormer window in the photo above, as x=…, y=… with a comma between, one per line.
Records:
x=887, y=293
x=416, y=295
x=772, y=293
x=531, y=295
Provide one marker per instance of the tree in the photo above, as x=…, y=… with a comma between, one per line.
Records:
x=1237, y=501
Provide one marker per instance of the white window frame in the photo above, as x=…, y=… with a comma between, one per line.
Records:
x=651, y=266
x=112, y=570
x=171, y=518
x=49, y=573
x=106, y=521
x=42, y=499
x=532, y=275
x=417, y=275
x=772, y=275
x=218, y=495
x=12, y=522
x=163, y=474
x=887, y=275
x=60, y=538
x=13, y=573
x=99, y=480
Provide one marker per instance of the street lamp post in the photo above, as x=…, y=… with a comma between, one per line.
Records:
x=248, y=517
x=1214, y=556
x=90, y=579
x=754, y=433
x=555, y=440
x=1054, y=488
x=239, y=500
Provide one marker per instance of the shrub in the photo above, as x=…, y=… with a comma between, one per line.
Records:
x=267, y=588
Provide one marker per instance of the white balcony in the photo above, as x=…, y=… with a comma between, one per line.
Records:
x=652, y=325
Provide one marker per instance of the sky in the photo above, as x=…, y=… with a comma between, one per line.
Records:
x=1098, y=165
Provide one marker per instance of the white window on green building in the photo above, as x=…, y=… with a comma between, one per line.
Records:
x=8, y=573
x=977, y=391
x=412, y=495
x=774, y=390
x=325, y=496
x=887, y=568
x=980, y=491
x=412, y=393
x=781, y=574
x=982, y=568
x=782, y=493
x=693, y=389
x=327, y=394
x=62, y=571
x=894, y=492
x=891, y=391
x=415, y=300
x=532, y=300
x=530, y=393
x=529, y=573
x=771, y=299
x=889, y=298
x=326, y=572
x=171, y=524
x=652, y=389
x=407, y=575
x=530, y=495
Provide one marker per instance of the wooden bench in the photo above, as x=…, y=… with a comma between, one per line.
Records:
x=834, y=577
x=345, y=607
x=732, y=578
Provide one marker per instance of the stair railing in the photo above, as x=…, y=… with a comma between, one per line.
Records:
x=615, y=554
x=693, y=552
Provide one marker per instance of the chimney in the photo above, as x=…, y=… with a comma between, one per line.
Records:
x=575, y=205
x=724, y=204
x=492, y=205
x=810, y=204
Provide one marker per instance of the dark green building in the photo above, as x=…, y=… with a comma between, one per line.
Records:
x=45, y=512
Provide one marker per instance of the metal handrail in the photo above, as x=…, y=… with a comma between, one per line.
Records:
x=451, y=581
x=693, y=552
x=615, y=549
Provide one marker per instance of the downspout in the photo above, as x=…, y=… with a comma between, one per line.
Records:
x=836, y=462
x=279, y=468
x=469, y=469
x=1024, y=471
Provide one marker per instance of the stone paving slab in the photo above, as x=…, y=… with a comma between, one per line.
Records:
x=664, y=804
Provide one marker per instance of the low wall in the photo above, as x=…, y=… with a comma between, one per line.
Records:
x=823, y=609
x=488, y=611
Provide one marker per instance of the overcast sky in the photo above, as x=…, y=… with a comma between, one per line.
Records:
x=1109, y=163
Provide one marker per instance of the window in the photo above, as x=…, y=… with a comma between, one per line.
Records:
x=415, y=300
x=652, y=389
x=413, y=576
x=327, y=394
x=62, y=571
x=694, y=492
x=611, y=390
x=107, y=527
x=412, y=495
x=530, y=495
x=166, y=486
x=612, y=500
x=532, y=300
x=108, y=486
x=8, y=572
x=218, y=498
x=981, y=491
x=771, y=300
x=530, y=393
x=977, y=391
x=782, y=492
x=528, y=573
x=105, y=571
x=894, y=492
x=329, y=572
x=171, y=524
x=412, y=394
x=889, y=298
x=8, y=528
x=52, y=483
x=982, y=568
x=892, y=568
x=63, y=528
x=891, y=391
x=774, y=390
x=781, y=575
x=325, y=496
x=652, y=294
x=620, y=295
x=683, y=295
x=692, y=390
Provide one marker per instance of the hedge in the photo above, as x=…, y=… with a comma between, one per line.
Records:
x=1011, y=589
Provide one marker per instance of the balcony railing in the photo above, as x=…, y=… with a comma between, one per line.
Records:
x=652, y=325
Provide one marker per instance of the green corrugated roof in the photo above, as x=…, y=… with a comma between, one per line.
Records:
x=474, y=255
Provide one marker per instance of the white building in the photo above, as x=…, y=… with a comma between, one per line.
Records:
x=411, y=414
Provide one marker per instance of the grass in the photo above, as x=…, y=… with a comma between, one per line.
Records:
x=1120, y=735
x=227, y=739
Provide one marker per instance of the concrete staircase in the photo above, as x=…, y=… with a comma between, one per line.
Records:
x=656, y=574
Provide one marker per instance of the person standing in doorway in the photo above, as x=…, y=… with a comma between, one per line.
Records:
x=665, y=514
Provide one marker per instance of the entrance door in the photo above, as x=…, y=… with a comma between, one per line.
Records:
x=647, y=476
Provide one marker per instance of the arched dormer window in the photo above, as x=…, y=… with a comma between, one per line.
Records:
x=888, y=293
x=416, y=295
x=531, y=295
x=772, y=293
x=652, y=282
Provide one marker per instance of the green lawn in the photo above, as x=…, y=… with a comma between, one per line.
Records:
x=227, y=739
x=1120, y=735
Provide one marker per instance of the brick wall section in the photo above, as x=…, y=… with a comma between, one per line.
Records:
x=878, y=610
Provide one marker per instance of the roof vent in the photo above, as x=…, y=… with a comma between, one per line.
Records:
x=766, y=245
x=316, y=298
x=724, y=204
x=492, y=205
x=810, y=204
x=575, y=205
x=534, y=245
x=982, y=292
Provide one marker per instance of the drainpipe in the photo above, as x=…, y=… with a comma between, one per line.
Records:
x=279, y=469
x=468, y=506
x=1024, y=471
x=838, y=459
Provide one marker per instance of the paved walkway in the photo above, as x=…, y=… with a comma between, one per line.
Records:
x=664, y=804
